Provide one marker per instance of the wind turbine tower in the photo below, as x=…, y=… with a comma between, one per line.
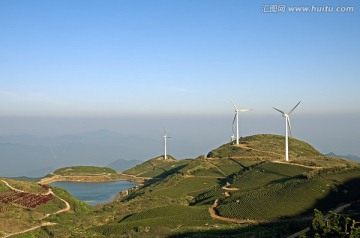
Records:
x=237, y=110
x=287, y=127
x=165, y=138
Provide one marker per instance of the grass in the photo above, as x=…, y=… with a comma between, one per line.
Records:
x=24, y=185
x=285, y=200
x=291, y=197
x=16, y=214
x=177, y=203
x=76, y=205
x=186, y=186
x=265, y=145
x=84, y=170
x=157, y=167
x=271, y=147
x=172, y=216
x=265, y=174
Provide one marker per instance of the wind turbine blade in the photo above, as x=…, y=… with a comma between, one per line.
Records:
x=279, y=111
x=232, y=126
x=234, y=105
x=234, y=119
x=289, y=124
x=294, y=108
x=244, y=110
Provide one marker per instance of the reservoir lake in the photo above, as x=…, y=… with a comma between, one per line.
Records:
x=94, y=193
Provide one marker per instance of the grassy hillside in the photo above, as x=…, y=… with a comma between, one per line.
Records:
x=25, y=204
x=122, y=164
x=84, y=170
x=157, y=167
x=272, y=147
x=83, y=174
x=265, y=146
x=238, y=184
x=229, y=193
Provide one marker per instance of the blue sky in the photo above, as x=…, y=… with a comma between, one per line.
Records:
x=156, y=59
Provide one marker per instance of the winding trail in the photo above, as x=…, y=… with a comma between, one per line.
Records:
x=30, y=229
x=67, y=208
x=230, y=189
x=275, y=161
x=262, y=151
x=213, y=214
x=301, y=165
x=11, y=187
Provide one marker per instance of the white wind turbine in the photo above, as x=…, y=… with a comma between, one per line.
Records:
x=287, y=126
x=237, y=110
x=165, y=138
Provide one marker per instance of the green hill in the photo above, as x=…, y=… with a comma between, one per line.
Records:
x=238, y=184
x=84, y=170
x=157, y=167
x=265, y=146
x=237, y=191
x=84, y=174
x=272, y=147
x=24, y=205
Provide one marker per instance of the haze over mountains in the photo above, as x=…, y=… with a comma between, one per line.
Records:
x=35, y=156
x=348, y=156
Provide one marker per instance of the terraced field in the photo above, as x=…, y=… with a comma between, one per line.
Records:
x=287, y=195
x=287, y=199
x=213, y=196
x=265, y=174
x=173, y=216
x=186, y=186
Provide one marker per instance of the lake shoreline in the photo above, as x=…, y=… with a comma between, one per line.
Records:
x=96, y=194
x=91, y=179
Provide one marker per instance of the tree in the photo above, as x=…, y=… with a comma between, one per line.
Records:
x=335, y=226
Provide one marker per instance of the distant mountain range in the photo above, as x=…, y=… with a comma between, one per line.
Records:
x=350, y=157
x=35, y=156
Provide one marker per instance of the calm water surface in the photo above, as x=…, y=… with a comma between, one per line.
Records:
x=94, y=193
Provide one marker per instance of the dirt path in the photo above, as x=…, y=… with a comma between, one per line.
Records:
x=262, y=151
x=218, y=168
x=49, y=179
x=96, y=178
x=213, y=214
x=67, y=208
x=277, y=161
x=12, y=188
x=302, y=165
x=30, y=229
x=230, y=189
x=201, y=176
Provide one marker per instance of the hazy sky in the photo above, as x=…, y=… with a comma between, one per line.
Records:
x=147, y=60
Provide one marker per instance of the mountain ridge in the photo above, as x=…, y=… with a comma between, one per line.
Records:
x=348, y=156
